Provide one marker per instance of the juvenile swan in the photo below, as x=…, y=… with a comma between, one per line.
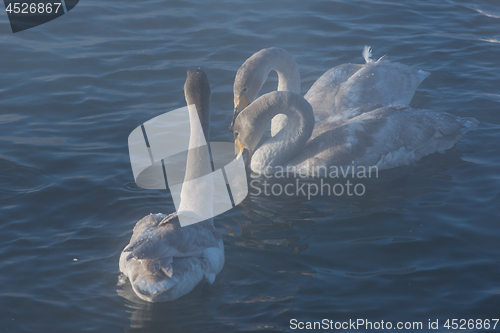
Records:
x=386, y=137
x=163, y=260
x=338, y=93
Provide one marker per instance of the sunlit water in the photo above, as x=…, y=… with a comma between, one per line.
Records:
x=422, y=243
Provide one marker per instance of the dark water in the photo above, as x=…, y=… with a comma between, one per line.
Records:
x=421, y=244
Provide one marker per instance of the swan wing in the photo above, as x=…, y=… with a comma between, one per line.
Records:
x=382, y=82
x=322, y=94
x=349, y=86
x=186, y=274
x=385, y=137
x=409, y=134
x=153, y=238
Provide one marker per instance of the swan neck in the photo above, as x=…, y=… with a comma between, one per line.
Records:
x=277, y=151
x=197, y=189
x=255, y=71
x=288, y=74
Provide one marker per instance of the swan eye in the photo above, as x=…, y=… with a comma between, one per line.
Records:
x=236, y=134
x=245, y=89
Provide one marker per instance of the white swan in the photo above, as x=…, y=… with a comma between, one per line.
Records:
x=386, y=137
x=163, y=260
x=338, y=93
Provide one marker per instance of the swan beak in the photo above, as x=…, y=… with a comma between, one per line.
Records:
x=233, y=120
x=246, y=153
x=239, y=104
x=238, y=147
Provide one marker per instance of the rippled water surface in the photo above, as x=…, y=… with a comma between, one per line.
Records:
x=422, y=243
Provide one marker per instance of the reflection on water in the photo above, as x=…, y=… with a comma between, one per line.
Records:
x=177, y=315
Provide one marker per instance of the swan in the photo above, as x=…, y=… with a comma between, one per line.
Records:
x=385, y=137
x=338, y=93
x=163, y=260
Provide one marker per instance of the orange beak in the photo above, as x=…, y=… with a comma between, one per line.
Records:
x=239, y=149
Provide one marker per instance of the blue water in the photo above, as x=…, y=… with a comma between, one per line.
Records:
x=422, y=243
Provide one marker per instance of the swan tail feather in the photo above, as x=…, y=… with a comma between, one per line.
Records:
x=169, y=218
x=367, y=54
x=382, y=58
x=422, y=75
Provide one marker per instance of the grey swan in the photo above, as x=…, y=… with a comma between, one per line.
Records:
x=163, y=260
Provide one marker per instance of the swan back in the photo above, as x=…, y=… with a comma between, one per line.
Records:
x=165, y=261
x=351, y=86
x=381, y=82
x=324, y=91
x=384, y=138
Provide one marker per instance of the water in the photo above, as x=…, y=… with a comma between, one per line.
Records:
x=421, y=244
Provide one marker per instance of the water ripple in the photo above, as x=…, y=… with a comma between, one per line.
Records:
x=18, y=181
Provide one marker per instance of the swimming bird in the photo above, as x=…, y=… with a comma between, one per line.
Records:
x=163, y=260
x=339, y=93
x=385, y=137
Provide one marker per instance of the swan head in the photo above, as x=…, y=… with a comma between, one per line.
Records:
x=247, y=84
x=246, y=138
x=239, y=104
x=246, y=87
x=251, y=76
x=251, y=123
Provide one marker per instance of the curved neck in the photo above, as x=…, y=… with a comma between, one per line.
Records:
x=254, y=72
x=278, y=150
x=288, y=71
